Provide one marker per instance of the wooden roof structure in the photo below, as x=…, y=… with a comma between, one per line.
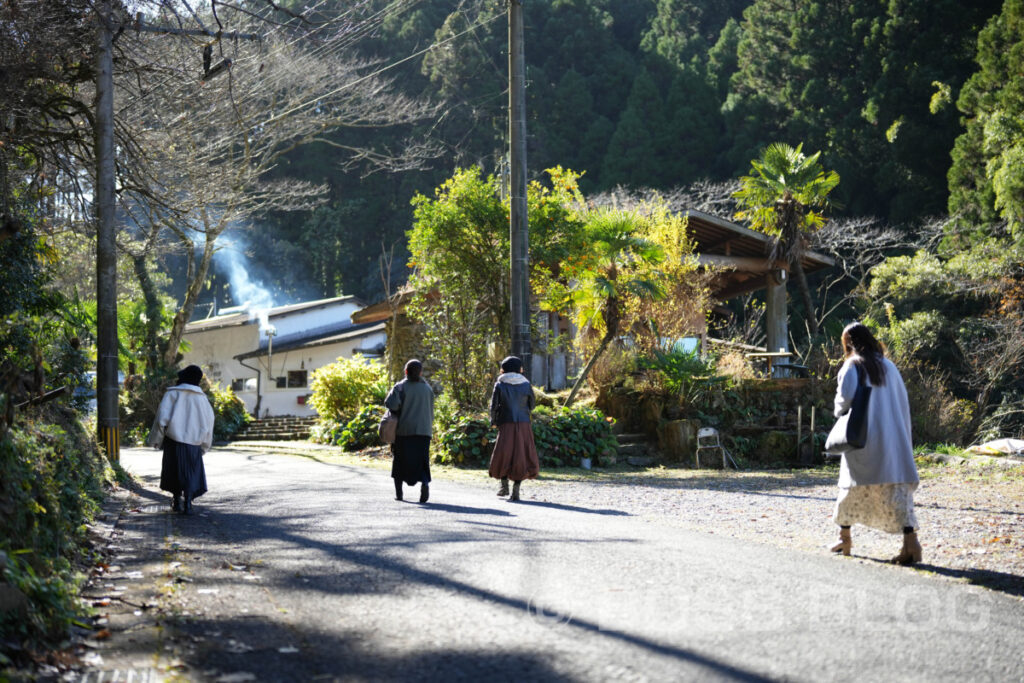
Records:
x=740, y=255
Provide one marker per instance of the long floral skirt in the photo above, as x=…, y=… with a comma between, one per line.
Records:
x=182, y=471
x=515, y=453
x=886, y=507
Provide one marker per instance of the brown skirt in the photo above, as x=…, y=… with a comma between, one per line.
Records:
x=515, y=454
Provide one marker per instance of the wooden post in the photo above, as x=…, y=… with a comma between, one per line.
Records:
x=799, y=432
x=776, y=315
x=814, y=450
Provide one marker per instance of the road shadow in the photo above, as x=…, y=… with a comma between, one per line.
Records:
x=148, y=495
x=571, y=508
x=391, y=574
x=462, y=509
x=1010, y=584
x=306, y=654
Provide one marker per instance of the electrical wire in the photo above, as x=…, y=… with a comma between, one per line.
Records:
x=346, y=86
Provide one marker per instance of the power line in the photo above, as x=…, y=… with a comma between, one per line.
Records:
x=378, y=72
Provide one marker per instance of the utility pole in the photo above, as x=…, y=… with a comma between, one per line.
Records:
x=518, y=225
x=106, y=251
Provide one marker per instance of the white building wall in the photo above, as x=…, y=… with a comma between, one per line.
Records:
x=214, y=351
x=291, y=401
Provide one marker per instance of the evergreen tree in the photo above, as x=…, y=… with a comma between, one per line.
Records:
x=855, y=79
x=987, y=177
x=632, y=157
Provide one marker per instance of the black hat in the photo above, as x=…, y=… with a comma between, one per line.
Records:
x=193, y=374
x=512, y=364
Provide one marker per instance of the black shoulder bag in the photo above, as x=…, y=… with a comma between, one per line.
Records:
x=850, y=431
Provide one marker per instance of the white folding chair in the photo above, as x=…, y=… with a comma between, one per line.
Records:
x=709, y=440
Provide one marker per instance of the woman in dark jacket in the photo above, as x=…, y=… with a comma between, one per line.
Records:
x=412, y=400
x=515, y=454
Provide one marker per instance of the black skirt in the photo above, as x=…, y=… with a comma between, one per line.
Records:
x=182, y=470
x=411, y=459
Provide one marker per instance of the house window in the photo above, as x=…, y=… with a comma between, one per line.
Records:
x=243, y=384
x=296, y=379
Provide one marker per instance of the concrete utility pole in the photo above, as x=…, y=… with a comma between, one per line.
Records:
x=106, y=250
x=518, y=225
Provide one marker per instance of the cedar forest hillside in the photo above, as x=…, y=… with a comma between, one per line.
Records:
x=650, y=94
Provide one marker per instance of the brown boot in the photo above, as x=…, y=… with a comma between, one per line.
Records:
x=515, y=492
x=911, y=551
x=845, y=543
x=503, y=491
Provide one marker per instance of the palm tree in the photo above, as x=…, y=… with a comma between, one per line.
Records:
x=617, y=265
x=783, y=197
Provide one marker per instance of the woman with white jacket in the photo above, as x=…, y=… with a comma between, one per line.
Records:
x=184, y=427
x=877, y=482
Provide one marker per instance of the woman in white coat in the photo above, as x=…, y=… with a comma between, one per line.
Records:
x=877, y=482
x=184, y=427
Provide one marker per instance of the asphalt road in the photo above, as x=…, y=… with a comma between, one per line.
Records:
x=297, y=569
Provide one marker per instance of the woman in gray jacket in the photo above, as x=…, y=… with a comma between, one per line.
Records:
x=412, y=400
x=877, y=482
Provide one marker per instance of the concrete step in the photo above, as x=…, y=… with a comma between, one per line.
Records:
x=279, y=428
x=631, y=438
x=628, y=450
x=272, y=437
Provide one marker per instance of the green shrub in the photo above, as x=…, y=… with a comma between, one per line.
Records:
x=326, y=431
x=566, y=435
x=467, y=440
x=140, y=399
x=51, y=487
x=358, y=433
x=682, y=373
x=563, y=436
x=341, y=388
x=230, y=415
x=52, y=594
x=361, y=431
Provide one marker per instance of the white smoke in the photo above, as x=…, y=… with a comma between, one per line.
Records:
x=245, y=291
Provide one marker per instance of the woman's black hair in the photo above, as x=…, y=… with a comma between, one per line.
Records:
x=512, y=364
x=861, y=345
x=413, y=370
